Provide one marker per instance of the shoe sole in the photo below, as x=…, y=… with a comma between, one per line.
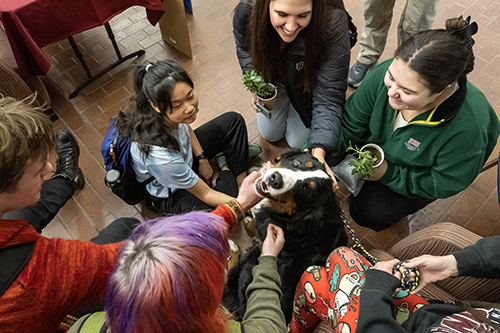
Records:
x=80, y=180
x=354, y=85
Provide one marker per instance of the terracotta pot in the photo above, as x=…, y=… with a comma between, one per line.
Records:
x=376, y=151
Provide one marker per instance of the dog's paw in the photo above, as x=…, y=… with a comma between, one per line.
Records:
x=250, y=226
x=234, y=255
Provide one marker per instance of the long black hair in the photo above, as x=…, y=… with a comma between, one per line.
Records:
x=153, y=83
x=265, y=40
x=440, y=57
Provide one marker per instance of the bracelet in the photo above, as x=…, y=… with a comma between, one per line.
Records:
x=236, y=209
x=201, y=156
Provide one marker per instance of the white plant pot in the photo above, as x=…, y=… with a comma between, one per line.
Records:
x=270, y=102
x=377, y=147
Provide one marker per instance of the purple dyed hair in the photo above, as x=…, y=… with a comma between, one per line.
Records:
x=169, y=276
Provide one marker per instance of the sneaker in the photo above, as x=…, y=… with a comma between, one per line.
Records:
x=68, y=152
x=356, y=74
x=220, y=159
x=254, y=150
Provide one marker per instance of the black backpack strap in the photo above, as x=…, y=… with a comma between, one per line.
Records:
x=13, y=260
x=147, y=181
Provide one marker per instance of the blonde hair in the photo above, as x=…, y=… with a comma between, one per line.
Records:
x=26, y=136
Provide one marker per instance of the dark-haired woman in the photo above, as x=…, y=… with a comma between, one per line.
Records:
x=436, y=128
x=164, y=145
x=303, y=47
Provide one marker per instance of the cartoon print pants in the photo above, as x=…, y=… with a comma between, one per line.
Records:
x=331, y=294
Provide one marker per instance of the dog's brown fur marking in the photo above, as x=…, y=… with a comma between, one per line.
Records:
x=284, y=203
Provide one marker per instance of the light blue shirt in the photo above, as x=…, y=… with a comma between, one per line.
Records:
x=171, y=168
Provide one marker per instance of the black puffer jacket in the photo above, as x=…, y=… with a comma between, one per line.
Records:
x=322, y=110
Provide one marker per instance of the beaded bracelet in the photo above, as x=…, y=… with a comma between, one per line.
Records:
x=236, y=209
x=405, y=282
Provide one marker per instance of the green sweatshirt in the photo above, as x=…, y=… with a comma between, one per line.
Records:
x=439, y=153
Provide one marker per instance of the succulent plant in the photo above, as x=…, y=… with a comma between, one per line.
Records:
x=256, y=84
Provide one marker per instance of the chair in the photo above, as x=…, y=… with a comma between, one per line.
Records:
x=12, y=85
x=440, y=239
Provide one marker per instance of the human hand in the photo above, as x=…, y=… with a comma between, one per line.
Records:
x=275, y=239
x=432, y=268
x=247, y=196
x=320, y=155
x=206, y=172
x=388, y=266
x=255, y=100
x=378, y=172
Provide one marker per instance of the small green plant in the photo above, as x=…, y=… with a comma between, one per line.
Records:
x=363, y=163
x=256, y=84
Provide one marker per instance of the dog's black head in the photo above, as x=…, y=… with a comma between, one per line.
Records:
x=296, y=180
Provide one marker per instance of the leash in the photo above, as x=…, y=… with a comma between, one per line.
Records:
x=406, y=285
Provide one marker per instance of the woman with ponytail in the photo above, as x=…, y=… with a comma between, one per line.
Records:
x=436, y=129
x=164, y=145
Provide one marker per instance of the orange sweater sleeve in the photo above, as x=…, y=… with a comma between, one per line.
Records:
x=226, y=213
x=61, y=277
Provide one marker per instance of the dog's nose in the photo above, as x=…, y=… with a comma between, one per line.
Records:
x=276, y=180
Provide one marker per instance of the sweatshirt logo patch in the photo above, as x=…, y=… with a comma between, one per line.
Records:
x=299, y=65
x=412, y=144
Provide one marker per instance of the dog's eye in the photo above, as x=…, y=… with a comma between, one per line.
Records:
x=305, y=188
x=296, y=163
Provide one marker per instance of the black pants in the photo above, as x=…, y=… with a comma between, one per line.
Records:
x=53, y=196
x=377, y=207
x=226, y=133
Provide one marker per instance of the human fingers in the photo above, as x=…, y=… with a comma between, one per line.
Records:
x=279, y=235
x=386, y=266
x=254, y=105
x=247, y=197
x=332, y=176
x=273, y=243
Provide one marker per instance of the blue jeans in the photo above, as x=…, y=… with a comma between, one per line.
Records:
x=285, y=122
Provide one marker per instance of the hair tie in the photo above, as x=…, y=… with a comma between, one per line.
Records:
x=148, y=66
x=467, y=31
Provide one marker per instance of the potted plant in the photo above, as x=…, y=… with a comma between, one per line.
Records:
x=266, y=92
x=367, y=158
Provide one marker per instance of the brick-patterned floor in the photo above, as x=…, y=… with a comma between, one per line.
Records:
x=217, y=78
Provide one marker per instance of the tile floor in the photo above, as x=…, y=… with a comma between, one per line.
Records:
x=217, y=78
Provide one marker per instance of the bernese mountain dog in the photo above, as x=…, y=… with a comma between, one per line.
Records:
x=299, y=198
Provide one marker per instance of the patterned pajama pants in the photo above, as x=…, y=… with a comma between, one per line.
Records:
x=331, y=294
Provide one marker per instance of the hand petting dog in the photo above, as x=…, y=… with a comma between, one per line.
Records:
x=275, y=239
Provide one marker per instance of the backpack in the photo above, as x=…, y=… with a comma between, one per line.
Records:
x=120, y=176
x=353, y=31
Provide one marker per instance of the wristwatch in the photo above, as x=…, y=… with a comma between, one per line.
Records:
x=201, y=156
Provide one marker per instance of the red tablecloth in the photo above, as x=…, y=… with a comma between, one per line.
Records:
x=32, y=24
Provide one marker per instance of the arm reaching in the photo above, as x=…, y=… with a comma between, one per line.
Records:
x=433, y=268
x=247, y=197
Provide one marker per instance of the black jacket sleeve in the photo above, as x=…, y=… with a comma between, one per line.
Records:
x=377, y=311
x=241, y=19
x=329, y=94
x=481, y=260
